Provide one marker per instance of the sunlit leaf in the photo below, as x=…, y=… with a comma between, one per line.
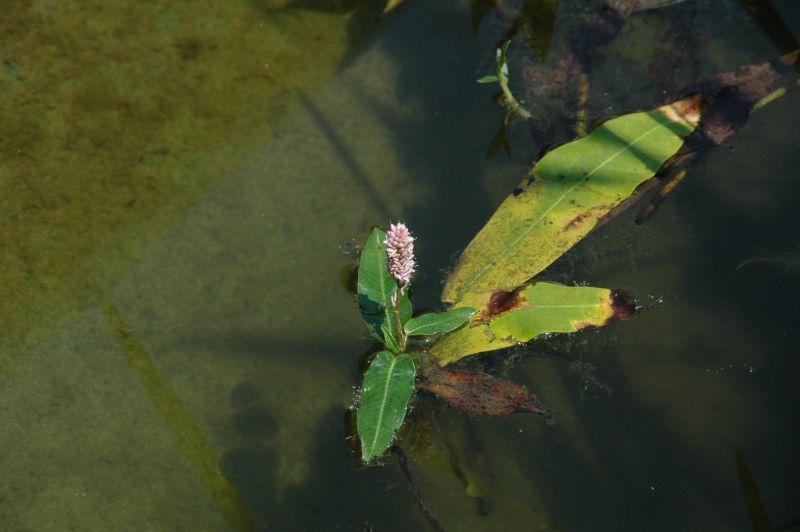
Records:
x=508, y=318
x=376, y=286
x=388, y=384
x=480, y=393
x=438, y=323
x=565, y=196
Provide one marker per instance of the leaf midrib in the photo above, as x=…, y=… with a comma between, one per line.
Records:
x=385, y=301
x=535, y=224
x=383, y=405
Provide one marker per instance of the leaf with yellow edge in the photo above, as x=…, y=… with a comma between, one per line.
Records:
x=568, y=191
x=509, y=318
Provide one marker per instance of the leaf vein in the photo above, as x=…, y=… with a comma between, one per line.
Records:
x=535, y=224
x=383, y=405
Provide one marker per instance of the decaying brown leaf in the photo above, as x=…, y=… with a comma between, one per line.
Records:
x=729, y=98
x=480, y=393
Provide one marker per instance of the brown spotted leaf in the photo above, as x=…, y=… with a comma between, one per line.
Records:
x=480, y=393
x=505, y=319
x=567, y=193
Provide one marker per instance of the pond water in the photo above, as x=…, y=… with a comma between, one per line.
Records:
x=183, y=184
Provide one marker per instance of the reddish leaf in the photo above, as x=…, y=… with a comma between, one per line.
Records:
x=481, y=393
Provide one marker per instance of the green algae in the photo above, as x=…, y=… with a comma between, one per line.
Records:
x=116, y=117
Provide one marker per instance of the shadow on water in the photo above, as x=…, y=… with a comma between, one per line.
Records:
x=364, y=24
x=438, y=74
x=326, y=501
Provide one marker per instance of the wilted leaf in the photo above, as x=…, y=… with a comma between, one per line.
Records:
x=438, y=323
x=508, y=318
x=376, y=286
x=733, y=95
x=388, y=384
x=481, y=393
x=567, y=193
x=730, y=97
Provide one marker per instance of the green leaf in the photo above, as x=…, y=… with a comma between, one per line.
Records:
x=489, y=78
x=376, y=286
x=502, y=51
x=388, y=385
x=508, y=318
x=567, y=193
x=390, y=340
x=406, y=310
x=433, y=323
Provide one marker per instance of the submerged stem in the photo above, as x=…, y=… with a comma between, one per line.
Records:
x=512, y=102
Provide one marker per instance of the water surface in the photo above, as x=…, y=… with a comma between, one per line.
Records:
x=182, y=184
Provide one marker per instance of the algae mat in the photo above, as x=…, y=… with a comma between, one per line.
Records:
x=116, y=116
x=202, y=234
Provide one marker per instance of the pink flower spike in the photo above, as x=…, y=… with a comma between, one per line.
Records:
x=400, y=251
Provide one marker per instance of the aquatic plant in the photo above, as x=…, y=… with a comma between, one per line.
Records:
x=384, y=274
x=494, y=302
x=494, y=298
x=501, y=77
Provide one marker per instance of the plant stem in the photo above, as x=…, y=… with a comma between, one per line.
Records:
x=401, y=335
x=512, y=102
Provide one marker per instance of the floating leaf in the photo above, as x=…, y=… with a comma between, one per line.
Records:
x=438, y=323
x=567, y=193
x=376, y=287
x=481, y=393
x=508, y=318
x=388, y=384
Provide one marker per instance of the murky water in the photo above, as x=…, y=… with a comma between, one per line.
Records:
x=181, y=186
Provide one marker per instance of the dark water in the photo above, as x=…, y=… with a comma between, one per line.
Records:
x=181, y=187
